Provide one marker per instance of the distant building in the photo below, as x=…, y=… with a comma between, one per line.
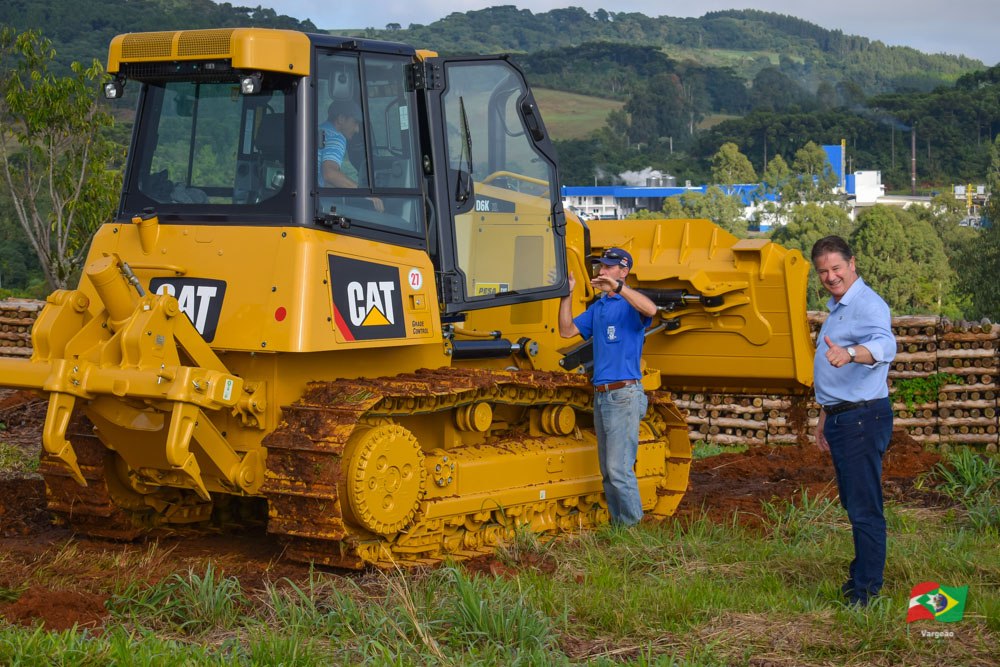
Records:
x=613, y=202
x=866, y=187
x=856, y=190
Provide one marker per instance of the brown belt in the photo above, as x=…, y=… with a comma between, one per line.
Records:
x=611, y=386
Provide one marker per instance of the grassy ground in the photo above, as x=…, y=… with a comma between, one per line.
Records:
x=572, y=116
x=694, y=593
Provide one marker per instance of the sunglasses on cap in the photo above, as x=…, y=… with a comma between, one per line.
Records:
x=614, y=256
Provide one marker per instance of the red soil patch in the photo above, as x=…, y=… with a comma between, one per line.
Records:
x=56, y=610
x=736, y=484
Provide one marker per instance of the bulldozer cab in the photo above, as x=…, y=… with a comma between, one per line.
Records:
x=355, y=138
x=506, y=239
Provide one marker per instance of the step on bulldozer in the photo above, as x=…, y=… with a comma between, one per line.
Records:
x=329, y=296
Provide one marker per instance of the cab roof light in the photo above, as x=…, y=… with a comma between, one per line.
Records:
x=250, y=84
x=114, y=89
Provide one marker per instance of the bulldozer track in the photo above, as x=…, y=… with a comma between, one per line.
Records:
x=355, y=476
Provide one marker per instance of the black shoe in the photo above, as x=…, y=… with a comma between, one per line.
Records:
x=847, y=590
x=858, y=601
x=861, y=598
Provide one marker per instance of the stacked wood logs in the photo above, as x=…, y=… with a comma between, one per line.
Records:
x=916, y=357
x=962, y=412
x=967, y=410
x=16, y=318
x=726, y=418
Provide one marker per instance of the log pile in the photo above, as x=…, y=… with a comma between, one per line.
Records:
x=963, y=412
x=16, y=318
x=916, y=357
x=967, y=410
x=725, y=419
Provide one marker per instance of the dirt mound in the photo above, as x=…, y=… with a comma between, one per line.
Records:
x=56, y=610
x=736, y=484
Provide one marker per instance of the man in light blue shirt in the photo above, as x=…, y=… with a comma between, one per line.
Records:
x=850, y=371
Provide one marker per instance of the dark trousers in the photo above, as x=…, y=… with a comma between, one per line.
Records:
x=858, y=439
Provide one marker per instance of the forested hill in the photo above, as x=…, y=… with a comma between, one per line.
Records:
x=81, y=30
x=745, y=41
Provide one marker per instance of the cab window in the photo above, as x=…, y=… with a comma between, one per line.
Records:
x=366, y=169
x=506, y=242
x=203, y=147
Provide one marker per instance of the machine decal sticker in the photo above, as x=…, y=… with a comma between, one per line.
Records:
x=199, y=298
x=367, y=304
x=487, y=289
x=491, y=205
x=415, y=280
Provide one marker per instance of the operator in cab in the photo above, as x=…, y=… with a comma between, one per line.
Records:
x=344, y=120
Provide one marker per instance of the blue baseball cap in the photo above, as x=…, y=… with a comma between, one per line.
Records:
x=615, y=257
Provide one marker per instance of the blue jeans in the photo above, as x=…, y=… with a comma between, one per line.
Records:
x=858, y=440
x=617, y=414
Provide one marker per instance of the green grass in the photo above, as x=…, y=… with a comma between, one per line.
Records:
x=15, y=459
x=691, y=592
x=971, y=478
x=703, y=450
x=680, y=592
x=573, y=116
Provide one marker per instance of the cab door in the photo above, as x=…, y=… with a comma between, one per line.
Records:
x=500, y=220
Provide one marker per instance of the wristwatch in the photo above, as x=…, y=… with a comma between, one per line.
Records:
x=851, y=351
x=621, y=284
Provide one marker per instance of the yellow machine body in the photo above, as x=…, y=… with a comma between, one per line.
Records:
x=390, y=383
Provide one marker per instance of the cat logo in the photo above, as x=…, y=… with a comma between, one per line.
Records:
x=371, y=303
x=199, y=299
x=367, y=304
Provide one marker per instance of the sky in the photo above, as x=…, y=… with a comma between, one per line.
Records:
x=961, y=27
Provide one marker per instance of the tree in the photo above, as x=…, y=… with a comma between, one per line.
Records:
x=981, y=259
x=816, y=179
x=61, y=170
x=715, y=205
x=901, y=254
x=773, y=91
x=776, y=174
x=730, y=166
x=808, y=223
x=19, y=268
x=660, y=110
x=981, y=268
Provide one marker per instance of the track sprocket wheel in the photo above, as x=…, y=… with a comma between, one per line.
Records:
x=385, y=478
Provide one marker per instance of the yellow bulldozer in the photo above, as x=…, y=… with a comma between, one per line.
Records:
x=372, y=365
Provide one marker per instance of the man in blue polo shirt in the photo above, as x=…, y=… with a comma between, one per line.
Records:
x=617, y=323
x=850, y=369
